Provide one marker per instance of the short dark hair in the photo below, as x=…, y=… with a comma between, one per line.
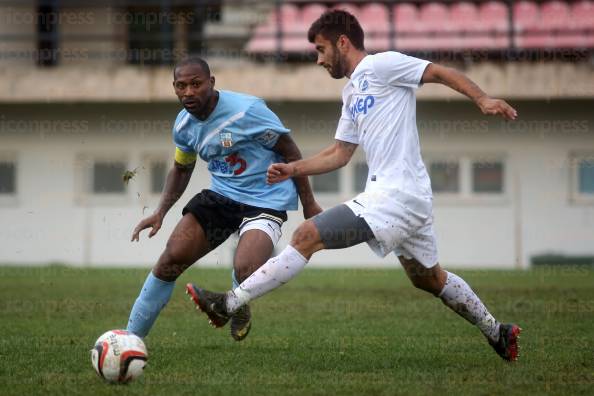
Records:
x=334, y=23
x=192, y=60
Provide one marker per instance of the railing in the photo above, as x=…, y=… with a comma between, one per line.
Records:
x=520, y=39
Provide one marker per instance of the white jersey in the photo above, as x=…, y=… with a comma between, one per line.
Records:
x=379, y=114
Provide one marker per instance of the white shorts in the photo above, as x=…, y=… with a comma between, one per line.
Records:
x=401, y=223
x=269, y=226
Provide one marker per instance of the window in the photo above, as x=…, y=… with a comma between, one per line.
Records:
x=582, y=177
x=360, y=175
x=585, y=168
x=327, y=182
x=445, y=176
x=153, y=172
x=463, y=177
x=157, y=33
x=108, y=177
x=487, y=177
x=7, y=177
x=150, y=36
x=100, y=178
x=158, y=174
x=47, y=33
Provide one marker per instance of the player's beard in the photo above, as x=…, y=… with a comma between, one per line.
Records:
x=203, y=110
x=338, y=66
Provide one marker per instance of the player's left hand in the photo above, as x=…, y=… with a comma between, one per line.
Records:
x=490, y=106
x=311, y=209
x=279, y=172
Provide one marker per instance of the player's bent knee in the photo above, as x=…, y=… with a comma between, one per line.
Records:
x=243, y=268
x=170, y=266
x=306, y=237
x=164, y=273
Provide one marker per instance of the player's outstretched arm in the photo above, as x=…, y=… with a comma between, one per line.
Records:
x=286, y=147
x=331, y=158
x=452, y=78
x=175, y=184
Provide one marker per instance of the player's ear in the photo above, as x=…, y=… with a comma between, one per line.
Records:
x=212, y=81
x=342, y=42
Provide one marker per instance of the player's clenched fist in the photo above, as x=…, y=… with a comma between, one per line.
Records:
x=279, y=172
x=490, y=106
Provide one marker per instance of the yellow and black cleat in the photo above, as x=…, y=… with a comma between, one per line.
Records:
x=241, y=323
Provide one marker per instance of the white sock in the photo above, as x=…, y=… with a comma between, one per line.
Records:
x=275, y=272
x=458, y=295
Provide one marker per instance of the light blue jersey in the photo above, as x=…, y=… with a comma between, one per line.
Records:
x=236, y=141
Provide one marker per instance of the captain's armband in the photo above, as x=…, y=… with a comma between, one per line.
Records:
x=184, y=158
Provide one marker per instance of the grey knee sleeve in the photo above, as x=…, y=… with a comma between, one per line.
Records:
x=340, y=228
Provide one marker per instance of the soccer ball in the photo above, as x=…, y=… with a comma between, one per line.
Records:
x=119, y=356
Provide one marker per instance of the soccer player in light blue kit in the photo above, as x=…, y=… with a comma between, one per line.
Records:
x=239, y=137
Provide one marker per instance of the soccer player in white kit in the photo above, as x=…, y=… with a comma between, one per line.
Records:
x=394, y=213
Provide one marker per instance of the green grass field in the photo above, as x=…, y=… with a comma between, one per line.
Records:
x=336, y=332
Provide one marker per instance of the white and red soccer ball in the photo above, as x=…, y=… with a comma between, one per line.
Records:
x=119, y=356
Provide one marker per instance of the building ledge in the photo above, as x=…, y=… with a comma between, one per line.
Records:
x=521, y=80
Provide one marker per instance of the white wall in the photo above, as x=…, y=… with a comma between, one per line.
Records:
x=50, y=219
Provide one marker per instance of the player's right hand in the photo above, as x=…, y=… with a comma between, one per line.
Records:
x=154, y=221
x=279, y=172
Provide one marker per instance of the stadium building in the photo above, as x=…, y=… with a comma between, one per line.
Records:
x=86, y=95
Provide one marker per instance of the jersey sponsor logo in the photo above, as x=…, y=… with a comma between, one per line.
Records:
x=231, y=165
x=226, y=139
x=361, y=106
x=234, y=160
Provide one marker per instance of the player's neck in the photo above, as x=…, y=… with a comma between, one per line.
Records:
x=353, y=61
x=209, y=107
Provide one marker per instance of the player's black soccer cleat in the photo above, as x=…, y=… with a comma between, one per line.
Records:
x=241, y=323
x=211, y=303
x=507, y=346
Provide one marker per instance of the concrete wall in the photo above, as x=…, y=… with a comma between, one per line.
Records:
x=51, y=218
x=537, y=212
x=93, y=82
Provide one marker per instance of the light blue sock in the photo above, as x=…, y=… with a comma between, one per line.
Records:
x=234, y=281
x=153, y=297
